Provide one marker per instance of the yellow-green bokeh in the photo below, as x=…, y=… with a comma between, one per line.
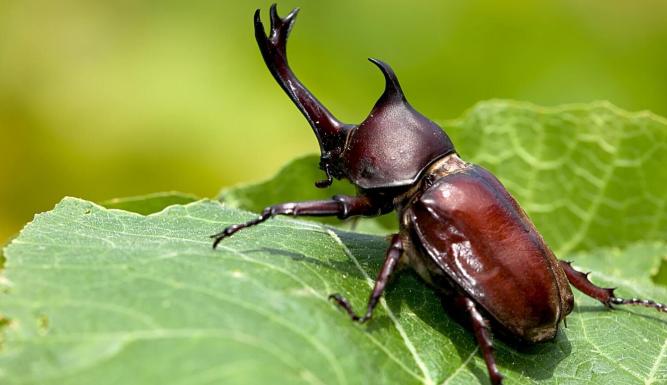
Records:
x=100, y=99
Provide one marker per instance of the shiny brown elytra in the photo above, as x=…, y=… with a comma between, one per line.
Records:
x=460, y=229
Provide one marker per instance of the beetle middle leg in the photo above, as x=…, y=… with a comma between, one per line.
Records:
x=388, y=267
x=342, y=206
x=480, y=327
x=605, y=295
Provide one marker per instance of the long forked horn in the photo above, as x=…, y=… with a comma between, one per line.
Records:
x=328, y=129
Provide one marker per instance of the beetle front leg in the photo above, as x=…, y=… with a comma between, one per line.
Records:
x=388, y=267
x=604, y=295
x=341, y=206
x=481, y=329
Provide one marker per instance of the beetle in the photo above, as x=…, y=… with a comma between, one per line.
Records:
x=459, y=228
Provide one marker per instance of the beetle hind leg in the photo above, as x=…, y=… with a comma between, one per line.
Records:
x=605, y=295
x=480, y=328
x=388, y=267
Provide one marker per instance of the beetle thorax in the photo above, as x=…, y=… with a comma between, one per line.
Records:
x=395, y=143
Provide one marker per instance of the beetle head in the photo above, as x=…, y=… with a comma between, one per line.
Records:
x=395, y=143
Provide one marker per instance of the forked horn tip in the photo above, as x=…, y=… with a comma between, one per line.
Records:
x=293, y=13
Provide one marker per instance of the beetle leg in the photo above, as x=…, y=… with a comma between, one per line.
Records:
x=388, y=267
x=605, y=295
x=481, y=329
x=340, y=205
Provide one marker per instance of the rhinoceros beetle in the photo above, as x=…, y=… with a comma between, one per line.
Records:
x=460, y=229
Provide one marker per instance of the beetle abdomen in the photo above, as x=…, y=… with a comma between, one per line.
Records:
x=477, y=234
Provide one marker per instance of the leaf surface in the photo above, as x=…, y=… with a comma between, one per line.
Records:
x=106, y=296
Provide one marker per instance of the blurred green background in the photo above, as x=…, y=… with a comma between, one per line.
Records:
x=100, y=99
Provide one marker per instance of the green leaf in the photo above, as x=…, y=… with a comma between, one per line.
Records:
x=98, y=296
x=660, y=274
x=149, y=203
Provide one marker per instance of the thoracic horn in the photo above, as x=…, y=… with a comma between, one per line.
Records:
x=392, y=90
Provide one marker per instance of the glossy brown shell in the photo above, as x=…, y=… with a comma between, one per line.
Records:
x=395, y=143
x=480, y=238
x=392, y=147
